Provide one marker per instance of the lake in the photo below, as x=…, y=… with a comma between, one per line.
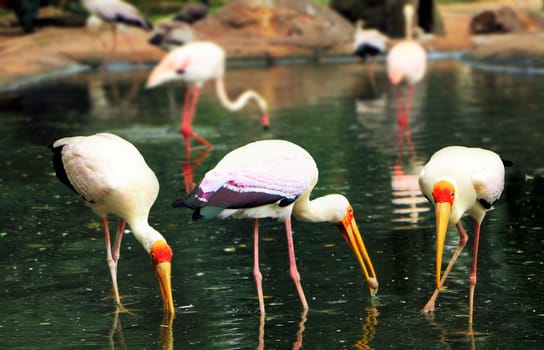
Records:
x=55, y=282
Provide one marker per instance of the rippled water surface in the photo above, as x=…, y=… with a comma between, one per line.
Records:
x=54, y=280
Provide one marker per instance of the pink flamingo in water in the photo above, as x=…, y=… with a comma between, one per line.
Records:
x=406, y=63
x=195, y=63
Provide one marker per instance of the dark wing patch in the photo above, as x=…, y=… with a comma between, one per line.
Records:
x=134, y=21
x=484, y=203
x=59, y=167
x=507, y=163
x=207, y=205
x=232, y=199
x=365, y=50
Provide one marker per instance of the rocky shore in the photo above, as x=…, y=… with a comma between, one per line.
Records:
x=317, y=35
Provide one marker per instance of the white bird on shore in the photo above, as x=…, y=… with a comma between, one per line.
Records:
x=115, y=12
x=369, y=43
x=113, y=178
x=275, y=178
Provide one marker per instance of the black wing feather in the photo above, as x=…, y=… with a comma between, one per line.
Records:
x=59, y=167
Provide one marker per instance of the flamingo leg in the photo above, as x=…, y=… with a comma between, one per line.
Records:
x=408, y=103
x=256, y=270
x=463, y=237
x=293, y=263
x=189, y=108
x=186, y=121
x=401, y=117
x=472, y=278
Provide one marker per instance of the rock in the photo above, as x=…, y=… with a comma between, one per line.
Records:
x=297, y=26
x=505, y=20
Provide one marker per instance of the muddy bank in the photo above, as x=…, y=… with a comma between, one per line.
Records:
x=316, y=35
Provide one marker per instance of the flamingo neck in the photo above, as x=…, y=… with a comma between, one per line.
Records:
x=241, y=101
x=408, y=22
x=145, y=234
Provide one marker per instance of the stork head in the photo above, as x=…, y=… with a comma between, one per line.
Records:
x=161, y=258
x=348, y=228
x=444, y=197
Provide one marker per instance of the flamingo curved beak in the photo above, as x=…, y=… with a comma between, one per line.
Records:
x=163, y=271
x=350, y=231
x=442, y=212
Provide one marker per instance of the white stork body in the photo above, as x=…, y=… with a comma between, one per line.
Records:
x=460, y=180
x=113, y=178
x=274, y=178
x=195, y=63
x=406, y=63
x=116, y=12
x=368, y=42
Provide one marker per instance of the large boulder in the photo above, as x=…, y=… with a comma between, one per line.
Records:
x=296, y=26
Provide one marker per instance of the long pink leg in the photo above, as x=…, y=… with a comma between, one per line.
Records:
x=117, y=243
x=256, y=270
x=189, y=108
x=400, y=105
x=408, y=104
x=463, y=237
x=185, y=123
x=112, y=263
x=293, y=263
x=472, y=278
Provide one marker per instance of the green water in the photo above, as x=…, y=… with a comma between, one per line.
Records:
x=53, y=274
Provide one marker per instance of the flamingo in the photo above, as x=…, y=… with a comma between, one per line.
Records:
x=116, y=11
x=460, y=180
x=195, y=63
x=274, y=178
x=406, y=63
x=112, y=177
x=369, y=43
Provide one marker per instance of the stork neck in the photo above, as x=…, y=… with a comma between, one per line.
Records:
x=241, y=101
x=321, y=209
x=145, y=234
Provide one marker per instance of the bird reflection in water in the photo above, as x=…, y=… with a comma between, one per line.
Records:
x=117, y=339
x=189, y=167
x=298, y=342
x=108, y=100
x=369, y=326
x=405, y=180
x=451, y=339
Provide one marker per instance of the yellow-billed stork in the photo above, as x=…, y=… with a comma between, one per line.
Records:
x=460, y=180
x=113, y=178
x=274, y=178
x=115, y=12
